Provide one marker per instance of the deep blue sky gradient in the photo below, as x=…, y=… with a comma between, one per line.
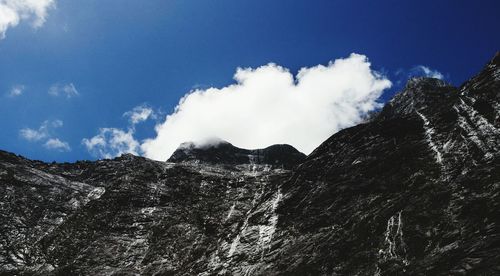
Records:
x=122, y=53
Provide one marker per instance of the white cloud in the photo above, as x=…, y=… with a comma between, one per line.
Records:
x=44, y=132
x=14, y=11
x=32, y=134
x=268, y=105
x=69, y=90
x=428, y=72
x=57, y=123
x=56, y=144
x=111, y=142
x=139, y=114
x=40, y=133
x=16, y=90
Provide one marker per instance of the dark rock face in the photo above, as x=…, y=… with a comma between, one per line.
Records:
x=416, y=191
x=223, y=153
x=131, y=215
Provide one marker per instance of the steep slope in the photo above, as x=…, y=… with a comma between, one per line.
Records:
x=132, y=215
x=34, y=203
x=415, y=191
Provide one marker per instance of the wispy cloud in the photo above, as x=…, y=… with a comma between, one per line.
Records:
x=32, y=134
x=56, y=144
x=402, y=75
x=112, y=142
x=12, y=12
x=44, y=133
x=68, y=90
x=16, y=90
x=139, y=114
x=427, y=72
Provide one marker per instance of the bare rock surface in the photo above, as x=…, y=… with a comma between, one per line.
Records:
x=414, y=191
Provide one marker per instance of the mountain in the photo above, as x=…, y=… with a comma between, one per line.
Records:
x=223, y=153
x=413, y=191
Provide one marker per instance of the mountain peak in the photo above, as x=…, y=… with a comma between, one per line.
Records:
x=496, y=59
x=425, y=181
x=419, y=93
x=487, y=81
x=224, y=153
x=425, y=82
x=128, y=157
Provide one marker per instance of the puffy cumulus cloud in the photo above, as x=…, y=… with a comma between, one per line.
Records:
x=421, y=70
x=68, y=90
x=56, y=144
x=268, y=105
x=14, y=11
x=111, y=142
x=139, y=114
x=44, y=133
x=16, y=90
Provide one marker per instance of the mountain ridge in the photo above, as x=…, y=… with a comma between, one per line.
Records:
x=415, y=191
x=223, y=152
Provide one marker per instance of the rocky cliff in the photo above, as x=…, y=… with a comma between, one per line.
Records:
x=414, y=191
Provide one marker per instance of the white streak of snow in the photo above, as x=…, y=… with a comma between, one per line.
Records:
x=393, y=238
x=478, y=129
x=429, y=132
x=230, y=213
x=266, y=232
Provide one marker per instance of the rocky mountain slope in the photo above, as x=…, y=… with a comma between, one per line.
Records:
x=414, y=191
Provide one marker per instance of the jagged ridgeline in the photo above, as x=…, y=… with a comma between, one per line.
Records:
x=415, y=191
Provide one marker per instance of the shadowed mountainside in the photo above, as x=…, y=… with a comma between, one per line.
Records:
x=415, y=191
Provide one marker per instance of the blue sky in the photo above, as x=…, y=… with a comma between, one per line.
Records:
x=101, y=59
